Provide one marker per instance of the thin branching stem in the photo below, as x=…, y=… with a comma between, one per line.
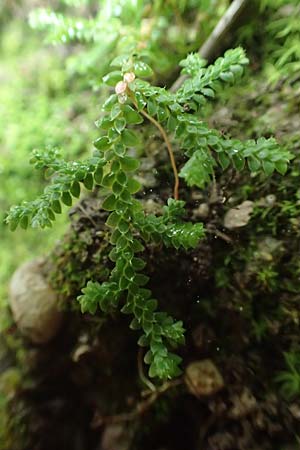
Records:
x=169, y=147
x=142, y=376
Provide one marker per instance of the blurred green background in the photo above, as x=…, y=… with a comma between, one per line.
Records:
x=39, y=106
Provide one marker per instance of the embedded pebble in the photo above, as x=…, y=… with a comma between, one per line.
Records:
x=33, y=303
x=239, y=216
x=202, y=211
x=203, y=378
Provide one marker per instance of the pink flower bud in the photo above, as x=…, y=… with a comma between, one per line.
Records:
x=121, y=87
x=129, y=77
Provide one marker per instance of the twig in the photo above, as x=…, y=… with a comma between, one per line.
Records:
x=215, y=39
x=79, y=206
x=143, y=378
x=220, y=234
x=140, y=408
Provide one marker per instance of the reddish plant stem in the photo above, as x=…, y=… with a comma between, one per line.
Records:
x=169, y=147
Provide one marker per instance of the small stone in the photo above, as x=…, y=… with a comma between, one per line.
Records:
x=33, y=303
x=267, y=201
x=295, y=410
x=239, y=216
x=243, y=404
x=202, y=211
x=197, y=195
x=270, y=199
x=203, y=378
x=269, y=249
x=152, y=207
x=147, y=179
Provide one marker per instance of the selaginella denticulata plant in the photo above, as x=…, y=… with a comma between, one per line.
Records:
x=135, y=104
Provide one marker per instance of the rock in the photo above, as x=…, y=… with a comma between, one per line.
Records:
x=147, y=180
x=203, y=378
x=197, y=195
x=267, y=201
x=239, y=216
x=270, y=199
x=269, y=249
x=33, y=303
x=295, y=410
x=242, y=404
x=152, y=207
x=202, y=211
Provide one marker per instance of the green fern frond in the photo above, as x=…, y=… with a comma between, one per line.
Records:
x=113, y=168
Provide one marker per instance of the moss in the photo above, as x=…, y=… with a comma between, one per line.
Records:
x=82, y=254
x=13, y=434
x=260, y=277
